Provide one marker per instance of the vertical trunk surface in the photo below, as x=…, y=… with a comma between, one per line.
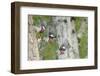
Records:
x=33, y=52
x=66, y=35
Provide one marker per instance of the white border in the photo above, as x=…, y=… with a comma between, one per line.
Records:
x=24, y=64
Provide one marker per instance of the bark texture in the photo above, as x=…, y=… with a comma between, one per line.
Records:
x=66, y=35
x=33, y=53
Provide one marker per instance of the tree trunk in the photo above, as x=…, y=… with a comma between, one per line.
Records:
x=33, y=51
x=66, y=35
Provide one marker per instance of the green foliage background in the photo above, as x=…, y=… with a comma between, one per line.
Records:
x=83, y=43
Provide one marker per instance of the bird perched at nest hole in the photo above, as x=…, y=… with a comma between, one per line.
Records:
x=40, y=34
x=49, y=51
x=62, y=49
